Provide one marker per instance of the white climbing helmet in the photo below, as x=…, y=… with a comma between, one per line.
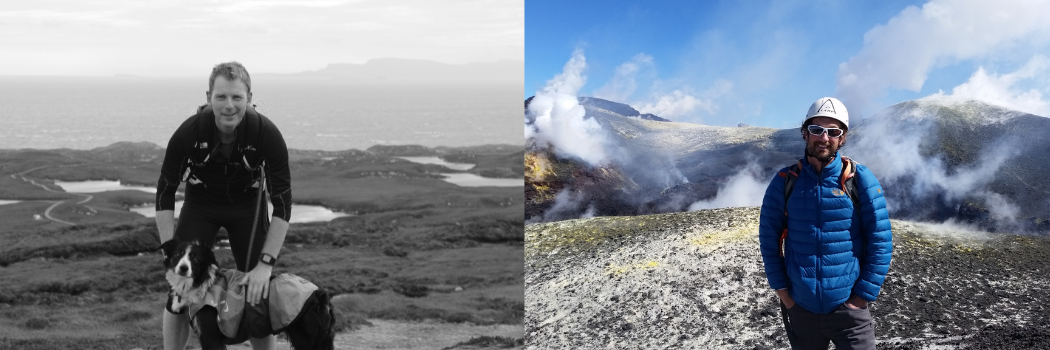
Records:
x=828, y=107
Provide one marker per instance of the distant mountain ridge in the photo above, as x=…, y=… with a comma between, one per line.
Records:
x=413, y=70
x=598, y=105
x=619, y=108
x=938, y=160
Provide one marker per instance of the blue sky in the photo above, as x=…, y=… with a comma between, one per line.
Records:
x=764, y=62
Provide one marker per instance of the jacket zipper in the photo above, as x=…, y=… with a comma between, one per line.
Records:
x=820, y=231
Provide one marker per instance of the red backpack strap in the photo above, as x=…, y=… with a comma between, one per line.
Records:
x=848, y=180
x=848, y=170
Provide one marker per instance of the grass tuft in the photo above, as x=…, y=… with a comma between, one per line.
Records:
x=134, y=315
x=70, y=288
x=412, y=290
x=37, y=323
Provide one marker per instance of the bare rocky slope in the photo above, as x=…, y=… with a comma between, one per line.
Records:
x=975, y=163
x=694, y=280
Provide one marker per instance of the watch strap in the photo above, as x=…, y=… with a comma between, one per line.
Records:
x=267, y=259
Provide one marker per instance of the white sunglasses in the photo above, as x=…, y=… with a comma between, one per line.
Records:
x=817, y=130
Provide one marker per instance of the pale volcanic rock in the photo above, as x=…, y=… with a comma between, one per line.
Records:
x=695, y=280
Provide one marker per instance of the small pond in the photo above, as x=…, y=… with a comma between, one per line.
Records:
x=439, y=161
x=96, y=186
x=471, y=180
x=300, y=212
x=463, y=179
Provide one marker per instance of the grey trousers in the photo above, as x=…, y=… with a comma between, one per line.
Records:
x=845, y=327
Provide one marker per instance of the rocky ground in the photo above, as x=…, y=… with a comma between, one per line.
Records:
x=695, y=280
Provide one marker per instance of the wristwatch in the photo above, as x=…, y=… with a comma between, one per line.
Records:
x=268, y=259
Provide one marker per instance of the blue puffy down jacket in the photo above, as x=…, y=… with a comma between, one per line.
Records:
x=832, y=250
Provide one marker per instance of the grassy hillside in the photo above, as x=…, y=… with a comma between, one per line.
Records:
x=416, y=250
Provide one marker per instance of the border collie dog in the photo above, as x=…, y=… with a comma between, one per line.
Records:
x=220, y=316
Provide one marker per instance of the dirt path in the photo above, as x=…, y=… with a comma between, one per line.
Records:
x=47, y=213
x=384, y=334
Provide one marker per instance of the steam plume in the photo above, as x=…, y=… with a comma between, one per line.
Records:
x=558, y=119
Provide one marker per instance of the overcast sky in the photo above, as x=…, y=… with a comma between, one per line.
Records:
x=188, y=37
x=763, y=62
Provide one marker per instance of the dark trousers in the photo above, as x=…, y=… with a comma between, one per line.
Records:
x=845, y=327
x=200, y=221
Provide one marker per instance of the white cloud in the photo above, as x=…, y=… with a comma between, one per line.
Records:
x=672, y=99
x=241, y=6
x=900, y=53
x=624, y=82
x=681, y=104
x=675, y=105
x=271, y=36
x=1003, y=90
x=64, y=18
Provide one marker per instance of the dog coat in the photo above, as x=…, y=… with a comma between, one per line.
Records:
x=237, y=320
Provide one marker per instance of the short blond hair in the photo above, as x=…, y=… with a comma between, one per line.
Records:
x=232, y=70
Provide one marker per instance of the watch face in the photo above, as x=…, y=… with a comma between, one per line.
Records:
x=267, y=258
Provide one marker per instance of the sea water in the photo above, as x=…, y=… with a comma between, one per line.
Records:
x=314, y=114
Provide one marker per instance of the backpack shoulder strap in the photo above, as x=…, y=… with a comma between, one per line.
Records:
x=205, y=134
x=201, y=150
x=790, y=177
x=848, y=179
x=249, y=143
x=789, y=181
x=205, y=118
x=252, y=130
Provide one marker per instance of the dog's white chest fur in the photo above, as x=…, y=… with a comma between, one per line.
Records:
x=183, y=291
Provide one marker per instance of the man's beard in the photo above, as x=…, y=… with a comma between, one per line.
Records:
x=811, y=151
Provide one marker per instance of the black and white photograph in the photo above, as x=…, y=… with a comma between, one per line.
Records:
x=271, y=174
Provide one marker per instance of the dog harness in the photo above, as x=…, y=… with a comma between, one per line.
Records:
x=238, y=320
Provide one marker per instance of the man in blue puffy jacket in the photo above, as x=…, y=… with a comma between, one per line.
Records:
x=825, y=256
